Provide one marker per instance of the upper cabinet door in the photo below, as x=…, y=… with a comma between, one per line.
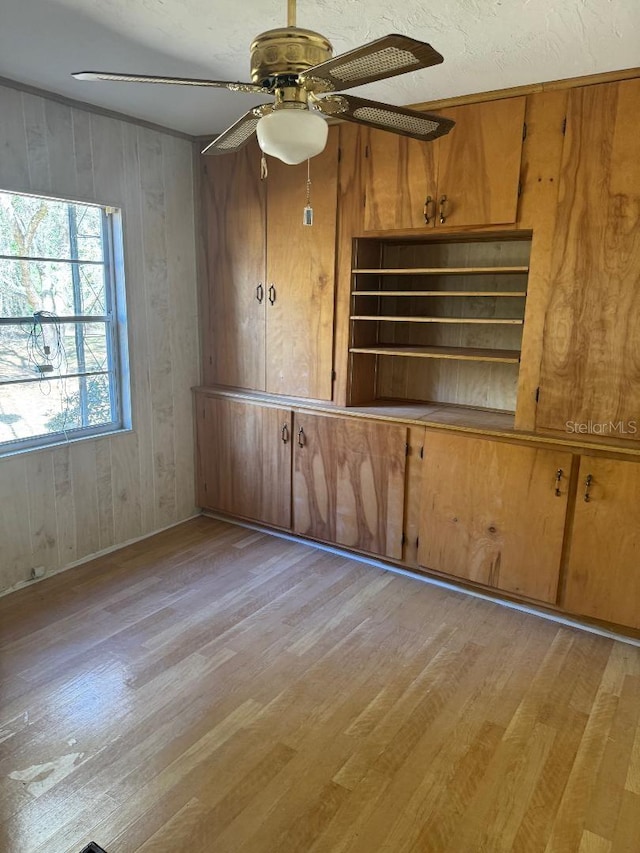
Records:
x=479, y=163
x=494, y=513
x=301, y=275
x=468, y=177
x=591, y=363
x=400, y=182
x=233, y=216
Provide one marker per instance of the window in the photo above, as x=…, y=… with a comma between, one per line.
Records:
x=62, y=322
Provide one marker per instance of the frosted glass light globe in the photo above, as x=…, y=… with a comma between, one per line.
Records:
x=292, y=135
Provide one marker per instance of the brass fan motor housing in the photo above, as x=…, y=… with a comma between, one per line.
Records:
x=287, y=51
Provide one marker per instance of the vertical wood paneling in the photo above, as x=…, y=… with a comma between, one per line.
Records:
x=65, y=503
x=83, y=155
x=62, y=168
x=154, y=247
x=181, y=260
x=37, y=148
x=14, y=168
x=42, y=512
x=138, y=343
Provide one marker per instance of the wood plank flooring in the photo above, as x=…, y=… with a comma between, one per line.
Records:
x=220, y=690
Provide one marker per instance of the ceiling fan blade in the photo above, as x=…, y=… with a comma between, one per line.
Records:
x=176, y=81
x=424, y=126
x=377, y=60
x=236, y=136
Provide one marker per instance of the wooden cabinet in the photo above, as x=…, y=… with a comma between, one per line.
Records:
x=590, y=365
x=348, y=482
x=301, y=276
x=233, y=303
x=491, y=513
x=269, y=303
x=244, y=459
x=468, y=177
x=603, y=572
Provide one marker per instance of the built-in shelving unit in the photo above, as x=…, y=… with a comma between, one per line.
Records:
x=438, y=321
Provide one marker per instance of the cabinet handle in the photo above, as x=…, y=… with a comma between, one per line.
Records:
x=587, y=487
x=559, y=474
x=285, y=433
x=428, y=200
x=272, y=294
x=260, y=292
x=302, y=440
x=443, y=218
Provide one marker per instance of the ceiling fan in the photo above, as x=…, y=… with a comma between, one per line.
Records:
x=297, y=67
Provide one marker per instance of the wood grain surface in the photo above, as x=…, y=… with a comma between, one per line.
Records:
x=590, y=362
x=602, y=574
x=218, y=689
x=489, y=513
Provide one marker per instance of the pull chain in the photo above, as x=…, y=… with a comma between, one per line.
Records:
x=307, y=213
x=264, y=171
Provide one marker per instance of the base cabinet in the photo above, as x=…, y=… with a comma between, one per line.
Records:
x=244, y=459
x=494, y=513
x=348, y=482
x=603, y=572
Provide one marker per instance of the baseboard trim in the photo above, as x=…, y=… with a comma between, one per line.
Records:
x=95, y=556
x=558, y=618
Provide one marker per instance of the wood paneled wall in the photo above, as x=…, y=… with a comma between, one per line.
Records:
x=62, y=504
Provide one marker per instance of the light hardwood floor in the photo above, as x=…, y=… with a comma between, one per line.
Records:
x=219, y=690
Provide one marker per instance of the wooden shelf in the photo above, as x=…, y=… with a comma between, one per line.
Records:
x=486, y=321
x=445, y=271
x=509, y=293
x=457, y=353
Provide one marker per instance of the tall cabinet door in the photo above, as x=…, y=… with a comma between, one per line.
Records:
x=494, y=513
x=479, y=163
x=301, y=276
x=399, y=182
x=348, y=482
x=591, y=364
x=233, y=217
x=603, y=578
x=244, y=459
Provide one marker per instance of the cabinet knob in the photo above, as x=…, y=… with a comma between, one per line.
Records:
x=285, y=433
x=260, y=292
x=587, y=487
x=272, y=294
x=427, y=202
x=443, y=201
x=302, y=440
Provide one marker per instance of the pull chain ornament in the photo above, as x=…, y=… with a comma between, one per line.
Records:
x=307, y=213
x=264, y=171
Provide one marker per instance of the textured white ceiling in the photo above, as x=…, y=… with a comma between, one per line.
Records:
x=487, y=44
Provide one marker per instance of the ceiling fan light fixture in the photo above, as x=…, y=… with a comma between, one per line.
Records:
x=292, y=135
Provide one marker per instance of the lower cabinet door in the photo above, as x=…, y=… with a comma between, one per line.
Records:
x=494, y=513
x=348, y=482
x=244, y=459
x=603, y=573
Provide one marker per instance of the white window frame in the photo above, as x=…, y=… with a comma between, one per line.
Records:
x=115, y=321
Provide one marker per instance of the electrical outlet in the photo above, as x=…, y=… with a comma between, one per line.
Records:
x=38, y=572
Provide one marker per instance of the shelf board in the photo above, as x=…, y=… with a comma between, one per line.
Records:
x=487, y=321
x=445, y=271
x=458, y=353
x=508, y=293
